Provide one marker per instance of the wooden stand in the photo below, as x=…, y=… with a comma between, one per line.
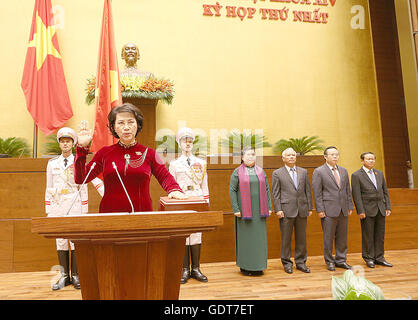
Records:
x=148, y=108
x=192, y=203
x=129, y=256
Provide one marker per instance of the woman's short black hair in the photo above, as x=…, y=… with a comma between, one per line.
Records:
x=126, y=107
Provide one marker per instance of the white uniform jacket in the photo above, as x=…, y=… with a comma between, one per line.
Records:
x=192, y=178
x=61, y=190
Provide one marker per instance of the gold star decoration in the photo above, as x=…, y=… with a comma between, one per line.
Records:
x=42, y=41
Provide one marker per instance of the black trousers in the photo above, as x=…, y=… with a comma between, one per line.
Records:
x=286, y=228
x=373, y=237
x=335, y=230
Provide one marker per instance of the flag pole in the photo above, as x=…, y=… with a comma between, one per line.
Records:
x=35, y=140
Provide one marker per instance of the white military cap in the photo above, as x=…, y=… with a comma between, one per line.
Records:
x=66, y=132
x=184, y=132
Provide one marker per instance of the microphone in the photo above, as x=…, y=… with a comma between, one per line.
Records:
x=127, y=195
x=78, y=192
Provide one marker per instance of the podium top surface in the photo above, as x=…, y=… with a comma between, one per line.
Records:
x=122, y=224
x=189, y=200
x=127, y=213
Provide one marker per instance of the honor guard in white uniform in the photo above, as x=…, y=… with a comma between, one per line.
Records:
x=63, y=197
x=190, y=173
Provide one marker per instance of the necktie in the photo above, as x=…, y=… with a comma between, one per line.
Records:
x=65, y=162
x=373, y=178
x=336, y=176
x=188, y=161
x=294, y=177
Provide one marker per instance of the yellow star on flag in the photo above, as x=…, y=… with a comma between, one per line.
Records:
x=42, y=41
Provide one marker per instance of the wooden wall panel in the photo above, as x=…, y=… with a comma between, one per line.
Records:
x=35, y=253
x=403, y=197
x=20, y=250
x=390, y=92
x=24, y=196
x=401, y=233
x=416, y=46
x=22, y=191
x=402, y=228
x=414, y=14
x=219, y=189
x=6, y=246
x=31, y=251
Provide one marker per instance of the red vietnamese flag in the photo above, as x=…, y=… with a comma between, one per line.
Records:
x=108, y=92
x=43, y=80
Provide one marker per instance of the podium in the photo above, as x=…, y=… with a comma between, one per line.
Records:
x=129, y=256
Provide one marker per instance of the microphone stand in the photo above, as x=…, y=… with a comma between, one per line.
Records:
x=127, y=195
x=78, y=192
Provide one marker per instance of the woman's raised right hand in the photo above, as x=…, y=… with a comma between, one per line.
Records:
x=84, y=134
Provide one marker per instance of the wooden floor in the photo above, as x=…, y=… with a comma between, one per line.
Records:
x=226, y=282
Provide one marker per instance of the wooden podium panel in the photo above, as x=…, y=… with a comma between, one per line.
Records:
x=129, y=256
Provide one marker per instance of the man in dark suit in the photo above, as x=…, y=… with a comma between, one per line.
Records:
x=371, y=198
x=333, y=202
x=293, y=204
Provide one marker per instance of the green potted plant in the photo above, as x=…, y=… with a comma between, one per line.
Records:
x=168, y=144
x=302, y=145
x=235, y=142
x=14, y=147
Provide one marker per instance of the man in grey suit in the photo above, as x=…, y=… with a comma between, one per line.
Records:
x=371, y=197
x=293, y=204
x=333, y=202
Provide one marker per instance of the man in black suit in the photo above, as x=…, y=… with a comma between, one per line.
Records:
x=371, y=198
x=333, y=202
x=293, y=204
